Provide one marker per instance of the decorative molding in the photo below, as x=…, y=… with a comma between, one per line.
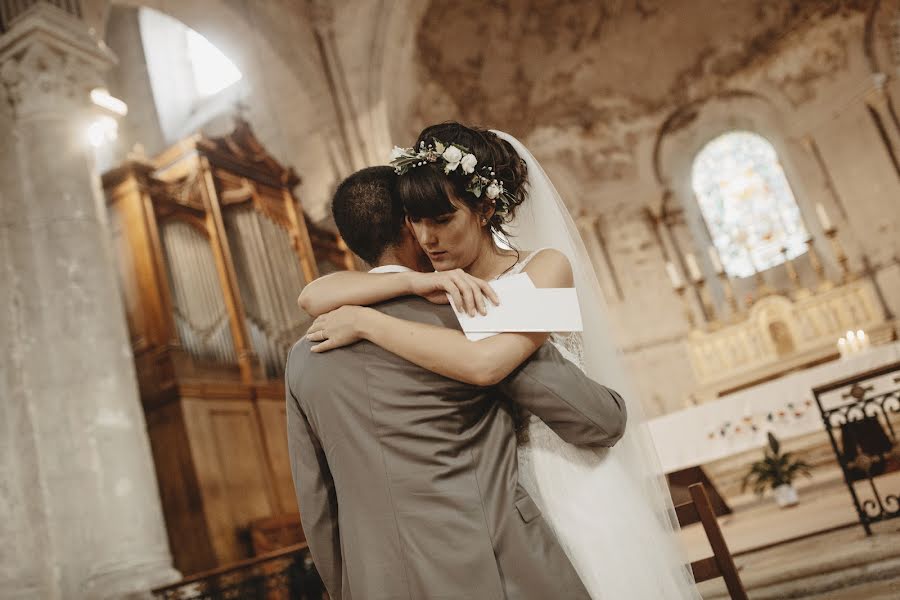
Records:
x=49, y=63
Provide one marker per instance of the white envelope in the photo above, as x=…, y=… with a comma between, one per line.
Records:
x=525, y=308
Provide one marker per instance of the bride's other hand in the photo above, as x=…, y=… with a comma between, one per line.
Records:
x=340, y=327
x=468, y=292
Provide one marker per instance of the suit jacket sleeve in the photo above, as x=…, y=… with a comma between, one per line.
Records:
x=316, y=497
x=577, y=408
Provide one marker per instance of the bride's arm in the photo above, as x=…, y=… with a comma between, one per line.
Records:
x=444, y=351
x=353, y=288
x=350, y=287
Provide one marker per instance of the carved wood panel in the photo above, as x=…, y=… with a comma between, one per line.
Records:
x=230, y=461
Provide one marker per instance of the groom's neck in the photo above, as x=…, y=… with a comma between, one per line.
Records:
x=395, y=258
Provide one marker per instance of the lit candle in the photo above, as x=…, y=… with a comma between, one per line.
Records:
x=823, y=217
x=714, y=258
x=692, y=267
x=674, y=277
x=862, y=339
x=852, y=342
x=842, y=347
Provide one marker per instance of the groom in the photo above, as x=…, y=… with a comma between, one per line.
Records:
x=407, y=481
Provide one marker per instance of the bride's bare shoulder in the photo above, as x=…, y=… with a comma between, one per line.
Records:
x=550, y=268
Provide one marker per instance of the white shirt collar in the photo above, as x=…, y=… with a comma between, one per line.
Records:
x=390, y=269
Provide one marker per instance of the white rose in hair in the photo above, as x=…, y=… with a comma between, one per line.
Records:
x=493, y=191
x=452, y=155
x=468, y=163
x=397, y=152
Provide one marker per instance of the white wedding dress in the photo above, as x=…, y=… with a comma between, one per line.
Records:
x=609, y=508
x=580, y=492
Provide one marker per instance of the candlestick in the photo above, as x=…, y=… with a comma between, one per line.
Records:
x=839, y=254
x=799, y=291
x=693, y=268
x=824, y=283
x=730, y=296
x=714, y=258
x=709, y=311
x=674, y=276
x=823, y=217
x=688, y=313
x=852, y=342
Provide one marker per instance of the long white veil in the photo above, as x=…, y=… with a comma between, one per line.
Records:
x=543, y=221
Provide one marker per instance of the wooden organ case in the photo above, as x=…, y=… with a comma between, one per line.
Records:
x=212, y=250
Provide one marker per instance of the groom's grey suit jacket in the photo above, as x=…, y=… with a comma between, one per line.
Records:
x=407, y=481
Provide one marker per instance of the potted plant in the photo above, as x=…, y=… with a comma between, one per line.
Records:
x=776, y=470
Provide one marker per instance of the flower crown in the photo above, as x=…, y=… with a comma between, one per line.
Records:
x=455, y=157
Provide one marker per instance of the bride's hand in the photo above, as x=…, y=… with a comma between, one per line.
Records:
x=340, y=327
x=468, y=292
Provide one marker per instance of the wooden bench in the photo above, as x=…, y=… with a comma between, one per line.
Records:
x=720, y=564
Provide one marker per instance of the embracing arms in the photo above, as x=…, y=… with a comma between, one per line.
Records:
x=351, y=288
x=444, y=351
x=577, y=408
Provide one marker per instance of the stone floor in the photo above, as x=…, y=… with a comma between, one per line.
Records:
x=815, y=550
x=843, y=564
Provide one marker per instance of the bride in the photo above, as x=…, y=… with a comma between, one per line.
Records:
x=464, y=189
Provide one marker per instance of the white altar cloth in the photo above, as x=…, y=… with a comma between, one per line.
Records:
x=682, y=437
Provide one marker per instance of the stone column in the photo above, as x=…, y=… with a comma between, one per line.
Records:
x=81, y=511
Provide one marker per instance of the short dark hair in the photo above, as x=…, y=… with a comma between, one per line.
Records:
x=368, y=213
x=424, y=190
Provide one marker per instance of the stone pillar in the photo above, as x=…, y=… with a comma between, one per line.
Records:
x=81, y=511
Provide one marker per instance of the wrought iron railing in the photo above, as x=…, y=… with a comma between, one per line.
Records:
x=287, y=574
x=863, y=414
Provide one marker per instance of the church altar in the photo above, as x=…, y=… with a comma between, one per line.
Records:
x=738, y=422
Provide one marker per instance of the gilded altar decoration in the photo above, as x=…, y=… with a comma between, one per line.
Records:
x=779, y=334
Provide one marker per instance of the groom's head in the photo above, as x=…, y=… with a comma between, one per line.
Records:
x=371, y=219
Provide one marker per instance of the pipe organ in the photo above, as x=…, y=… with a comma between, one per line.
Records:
x=213, y=249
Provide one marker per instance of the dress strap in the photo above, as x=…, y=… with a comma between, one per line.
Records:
x=524, y=262
x=520, y=266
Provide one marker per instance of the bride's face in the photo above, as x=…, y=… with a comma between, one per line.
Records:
x=452, y=240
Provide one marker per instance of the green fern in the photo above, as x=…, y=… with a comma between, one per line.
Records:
x=774, y=469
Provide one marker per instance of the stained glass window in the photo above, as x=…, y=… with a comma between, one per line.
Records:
x=747, y=203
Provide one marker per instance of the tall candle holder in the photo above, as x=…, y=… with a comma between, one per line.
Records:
x=730, y=296
x=824, y=284
x=688, y=313
x=800, y=291
x=709, y=311
x=839, y=254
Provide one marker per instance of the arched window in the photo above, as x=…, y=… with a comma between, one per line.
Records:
x=192, y=80
x=212, y=70
x=747, y=203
